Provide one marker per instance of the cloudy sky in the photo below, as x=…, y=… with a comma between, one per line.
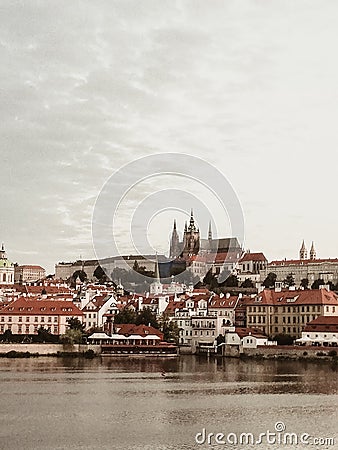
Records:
x=87, y=87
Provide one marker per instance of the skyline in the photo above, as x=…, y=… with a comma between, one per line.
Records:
x=249, y=88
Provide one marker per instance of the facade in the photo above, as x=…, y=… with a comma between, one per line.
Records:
x=321, y=331
x=311, y=269
x=250, y=265
x=6, y=268
x=28, y=273
x=288, y=311
x=25, y=316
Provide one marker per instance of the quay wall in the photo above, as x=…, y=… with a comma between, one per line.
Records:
x=48, y=349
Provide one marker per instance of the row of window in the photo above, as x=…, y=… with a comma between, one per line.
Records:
x=289, y=309
x=285, y=319
x=27, y=329
x=29, y=318
x=212, y=333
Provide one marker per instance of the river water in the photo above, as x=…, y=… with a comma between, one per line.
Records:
x=163, y=404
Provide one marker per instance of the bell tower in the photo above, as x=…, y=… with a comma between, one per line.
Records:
x=303, y=252
x=191, y=239
x=174, y=243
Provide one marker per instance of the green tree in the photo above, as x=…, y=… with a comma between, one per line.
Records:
x=147, y=317
x=247, y=283
x=126, y=315
x=75, y=324
x=304, y=283
x=231, y=281
x=45, y=335
x=317, y=283
x=100, y=274
x=289, y=280
x=7, y=336
x=270, y=280
x=283, y=339
x=72, y=336
x=169, y=329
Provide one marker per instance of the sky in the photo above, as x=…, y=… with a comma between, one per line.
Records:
x=88, y=87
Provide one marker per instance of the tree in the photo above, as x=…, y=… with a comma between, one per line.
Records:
x=169, y=329
x=8, y=336
x=126, y=315
x=81, y=274
x=231, y=281
x=304, y=283
x=75, y=324
x=270, y=280
x=289, y=280
x=317, y=283
x=283, y=339
x=45, y=335
x=72, y=336
x=147, y=317
x=247, y=283
x=100, y=274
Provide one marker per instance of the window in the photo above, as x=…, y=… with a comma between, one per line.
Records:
x=42, y=319
x=55, y=329
x=276, y=319
x=9, y=319
x=55, y=319
x=20, y=319
x=49, y=319
x=36, y=319
x=27, y=319
x=2, y=319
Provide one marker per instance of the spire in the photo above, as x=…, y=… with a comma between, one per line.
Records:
x=210, y=231
x=157, y=271
x=185, y=226
x=313, y=251
x=192, y=221
x=175, y=224
x=303, y=251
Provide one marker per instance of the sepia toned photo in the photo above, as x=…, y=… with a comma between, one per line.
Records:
x=168, y=226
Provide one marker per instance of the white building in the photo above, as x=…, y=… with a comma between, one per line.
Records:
x=6, y=268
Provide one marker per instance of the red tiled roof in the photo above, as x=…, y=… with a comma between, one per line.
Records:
x=323, y=323
x=33, y=307
x=242, y=332
x=253, y=257
x=286, y=262
x=27, y=266
x=142, y=330
x=289, y=298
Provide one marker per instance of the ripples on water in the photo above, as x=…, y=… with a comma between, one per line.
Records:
x=126, y=403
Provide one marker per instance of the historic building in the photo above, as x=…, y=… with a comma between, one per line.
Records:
x=304, y=268
x=202, y=255
x=288, y=311
x=27, y=315
x=6, y=268
x=28, y=273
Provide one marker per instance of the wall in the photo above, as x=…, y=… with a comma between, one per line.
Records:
x=47, y=349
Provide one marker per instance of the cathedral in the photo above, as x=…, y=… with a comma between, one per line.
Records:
x=192, y=244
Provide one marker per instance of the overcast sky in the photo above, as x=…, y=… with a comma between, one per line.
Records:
x=249, y=86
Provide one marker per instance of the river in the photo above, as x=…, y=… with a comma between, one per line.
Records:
x=164, y=404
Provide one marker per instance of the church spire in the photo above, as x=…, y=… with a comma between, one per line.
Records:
x=157, y=271
x=313, y=251
x=210, y=231
x=303, y=251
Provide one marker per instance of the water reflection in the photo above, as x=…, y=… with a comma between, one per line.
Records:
x=134, y=403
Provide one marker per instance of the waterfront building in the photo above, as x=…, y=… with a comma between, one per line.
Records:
x=6, y=268
x=321, y=331
x=25, y=316
x=288, y=311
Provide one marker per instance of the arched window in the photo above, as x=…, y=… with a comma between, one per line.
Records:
x=4, y=277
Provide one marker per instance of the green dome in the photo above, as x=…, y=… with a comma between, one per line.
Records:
x=5, y=263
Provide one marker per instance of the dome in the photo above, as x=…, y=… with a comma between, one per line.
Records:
x=5, y=263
